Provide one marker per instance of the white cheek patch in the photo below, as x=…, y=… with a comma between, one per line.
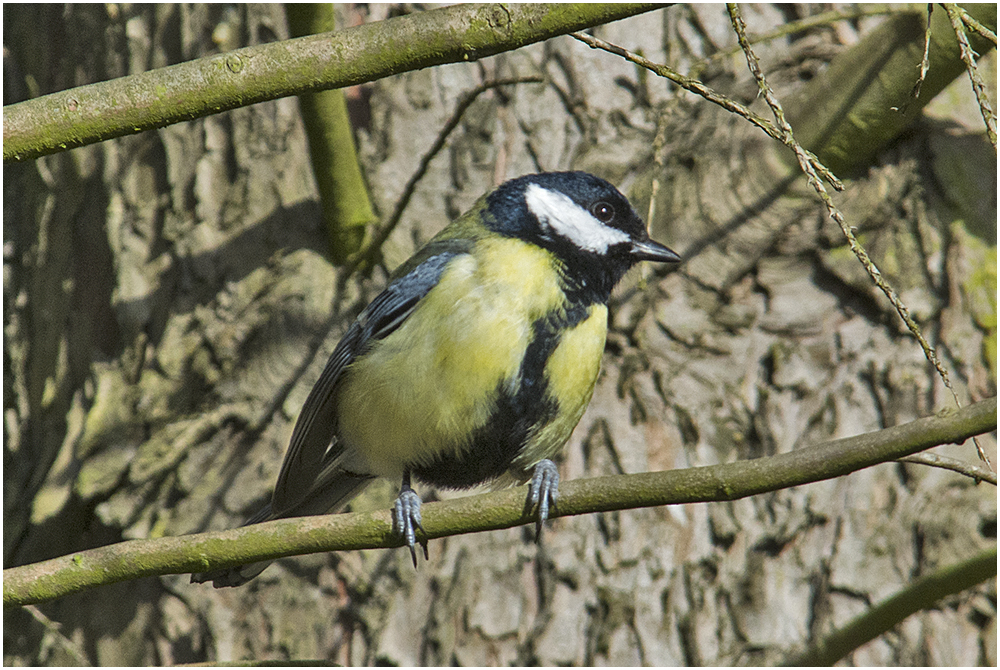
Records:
x=558, y=213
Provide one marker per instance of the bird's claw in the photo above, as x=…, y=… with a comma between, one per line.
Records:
x=543, y=492
x=407, y=520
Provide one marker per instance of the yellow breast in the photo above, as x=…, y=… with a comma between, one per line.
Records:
x=571, y=373
x=422, y=389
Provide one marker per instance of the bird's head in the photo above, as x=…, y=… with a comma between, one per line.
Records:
x=584, y=221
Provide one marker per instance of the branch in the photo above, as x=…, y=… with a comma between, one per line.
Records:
x=955, y=15
x=218, y=83
x=62, y=576
x=823, y=19
x=976, y=26
x=920, y=595
x=343, y=194
x=807, y=167
x=864, y=100
x=698, y=88
x=972, y=470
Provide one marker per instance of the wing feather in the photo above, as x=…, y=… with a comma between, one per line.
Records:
x=308, y=474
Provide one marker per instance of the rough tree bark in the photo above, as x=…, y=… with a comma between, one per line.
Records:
x=168, y=303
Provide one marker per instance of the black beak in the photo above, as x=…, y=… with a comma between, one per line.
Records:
x=648, y=250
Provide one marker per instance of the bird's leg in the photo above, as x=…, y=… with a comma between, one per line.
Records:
x=543, y=492
x=407, y=517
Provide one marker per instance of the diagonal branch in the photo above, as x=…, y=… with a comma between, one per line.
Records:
x=698, y=88
x=880, y=619
x=955, y=15
x=972, y=470
x=218, y=83
x=62, y=576
x=807, y=167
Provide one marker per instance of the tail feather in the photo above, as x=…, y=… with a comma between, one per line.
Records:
x=237, y=576
x=333, y=495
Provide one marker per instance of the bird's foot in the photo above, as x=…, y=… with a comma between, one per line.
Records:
x=407, y=519
x=543, y=492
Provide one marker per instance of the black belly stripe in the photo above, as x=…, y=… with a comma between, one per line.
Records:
x=516, y=417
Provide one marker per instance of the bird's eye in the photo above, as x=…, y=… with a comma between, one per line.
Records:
x=603, y=211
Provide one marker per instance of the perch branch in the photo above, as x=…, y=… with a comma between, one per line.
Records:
x=39, y=582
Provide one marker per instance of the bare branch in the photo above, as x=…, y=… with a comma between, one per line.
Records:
x=978, y=85
x=925, y=61
x=699, y=88
x=920, y=595
x=806, y=162
x=62, y=576
x=977, y=472
x=218, y=83
x=977, y=27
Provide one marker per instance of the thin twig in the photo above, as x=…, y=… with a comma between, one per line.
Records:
x=699, y=88
x=807, y=166
x=54, y=628
x=977, y=27
x=977, y=472
x=367, y=255
x=925, y=62
x=808, y=23
x=978, y=85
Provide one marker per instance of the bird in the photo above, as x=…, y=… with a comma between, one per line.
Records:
x=474, y=364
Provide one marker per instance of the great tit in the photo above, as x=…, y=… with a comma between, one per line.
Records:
x=475, y=363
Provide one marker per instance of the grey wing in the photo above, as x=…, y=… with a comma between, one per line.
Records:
x=310, y=482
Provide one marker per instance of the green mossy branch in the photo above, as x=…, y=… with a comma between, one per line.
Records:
x=343, y=194
x=97, y=112
x=62, y=576
x=881, y=618
x=865, y=98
